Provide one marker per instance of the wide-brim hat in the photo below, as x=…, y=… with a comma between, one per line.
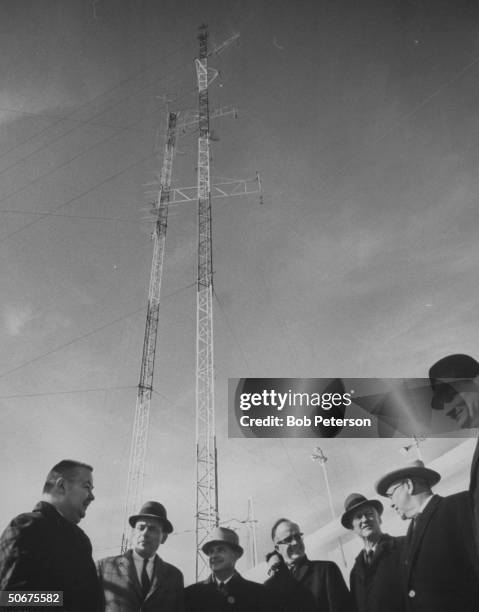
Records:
x=446, y=371
x=353, y=503
x=415, y=469
x=222, y=535
x=154, y=510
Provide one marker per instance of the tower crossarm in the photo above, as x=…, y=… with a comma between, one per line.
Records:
x=223, y=189
x=193, y=119
x=224, y=45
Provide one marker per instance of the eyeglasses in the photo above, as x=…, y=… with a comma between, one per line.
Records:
x=294, y=536
x=390, y=493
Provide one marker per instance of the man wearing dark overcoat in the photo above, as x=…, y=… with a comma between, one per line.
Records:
x=139, y=581
x=225, y=590
x=440, y=564
x=45, y=550
x=298, y=584
x=455, y=383
x=375, y=580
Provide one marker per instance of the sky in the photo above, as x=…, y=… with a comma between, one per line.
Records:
x=361, y=261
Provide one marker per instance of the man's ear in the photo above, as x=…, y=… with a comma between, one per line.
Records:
x=163, y=538
x=60, y=484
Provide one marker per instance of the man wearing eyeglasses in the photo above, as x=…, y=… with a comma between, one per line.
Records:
x=374, y=581
x=440, y=565
x=298, y=583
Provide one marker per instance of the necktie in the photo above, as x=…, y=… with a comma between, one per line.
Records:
x=410, y=532
x=369, y=557
x=145, y=580
x=414, y=522
x=222, y=588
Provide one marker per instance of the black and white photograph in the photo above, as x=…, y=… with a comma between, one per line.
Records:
x=206, y=207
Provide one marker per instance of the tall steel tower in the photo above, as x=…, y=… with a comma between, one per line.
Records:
x=206, y=457
x=145, y=387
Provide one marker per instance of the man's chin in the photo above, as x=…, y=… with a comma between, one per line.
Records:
x=80, y=514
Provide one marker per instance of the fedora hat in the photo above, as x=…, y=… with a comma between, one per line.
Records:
x=415, y=469
x=155, y=510
x=447, y=370
x=222, y=535
x=353, y=503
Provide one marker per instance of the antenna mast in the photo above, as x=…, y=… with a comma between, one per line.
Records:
x=139, y=438
x=206, y=456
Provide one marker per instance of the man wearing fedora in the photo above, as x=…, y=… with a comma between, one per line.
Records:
x=301, y=585
x=455, y=385
x=225, y=590
x=139, y=581
x=440, y=564
x=374, y=580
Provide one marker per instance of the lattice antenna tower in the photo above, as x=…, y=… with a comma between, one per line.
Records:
x=207, y=516
x=139, y=438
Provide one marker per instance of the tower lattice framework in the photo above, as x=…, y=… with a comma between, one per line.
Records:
x=139, y=438
x=206, y=456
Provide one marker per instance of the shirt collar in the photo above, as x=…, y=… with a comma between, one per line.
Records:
x=298, y=563
x=373, y=547
x=138, y=559
x=225, y=581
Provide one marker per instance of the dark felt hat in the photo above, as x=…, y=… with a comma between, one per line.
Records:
x=415, y=469
x=448, y=370
x=222, y=535
x=353, y=503
x=155, y=510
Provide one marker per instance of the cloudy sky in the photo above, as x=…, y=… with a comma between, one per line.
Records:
x=362, y=261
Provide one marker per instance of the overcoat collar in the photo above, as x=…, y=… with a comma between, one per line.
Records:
x=302, y=568
x=414, y=539
x=232, y=581
x=385, y=543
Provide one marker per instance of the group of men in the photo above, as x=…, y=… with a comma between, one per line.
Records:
x=45, y=550
x=433, y=568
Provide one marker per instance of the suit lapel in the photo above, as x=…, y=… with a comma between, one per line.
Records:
x=474, y=470
x=361, y=567
x=385, y=543
x=212, y=595
x=234, y=584
x=302, y=570
x=414, y=539
x=159, y=579
x=126, y=569
x=474, y=492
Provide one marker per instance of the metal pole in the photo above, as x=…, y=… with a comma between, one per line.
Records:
x=318, y=455
x=251, y=521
